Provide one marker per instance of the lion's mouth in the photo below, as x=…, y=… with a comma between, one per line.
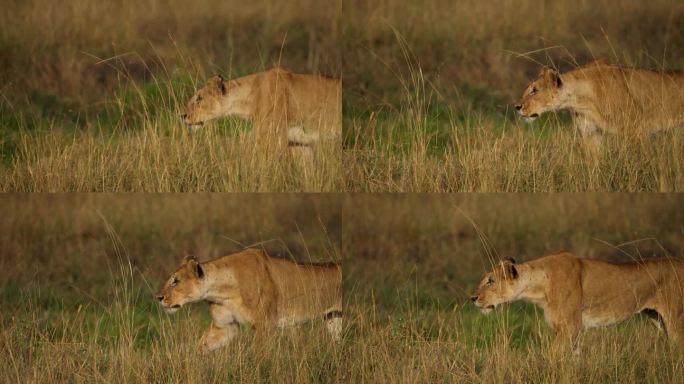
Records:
x=484, y=307
x=194, y=126
x=528, y=118
x=531, y=118
x=171, y=309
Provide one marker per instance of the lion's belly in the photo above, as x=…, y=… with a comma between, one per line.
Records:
x=291, y=320
x=594, y=318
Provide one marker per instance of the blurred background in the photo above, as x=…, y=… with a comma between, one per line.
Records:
x=75, y=241
x=65, y=58
x=479, y=51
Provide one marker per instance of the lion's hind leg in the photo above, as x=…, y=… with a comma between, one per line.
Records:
x=673, y=319
x=333, y=322
x=655, y=318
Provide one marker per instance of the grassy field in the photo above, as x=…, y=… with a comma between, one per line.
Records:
x=90, y=93
x=412, y=261
x=91, y=104
x=429, y=89
x=80, y=272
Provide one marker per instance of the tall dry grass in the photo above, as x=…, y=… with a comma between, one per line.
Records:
x=81, y=271
x=430, y=95
x=481, y=154
x=412, y=261
x=155, y=161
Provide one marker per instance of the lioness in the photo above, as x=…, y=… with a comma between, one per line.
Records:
x=301, y=109
x=249, y=287
x=577, y=293
x=608, y=98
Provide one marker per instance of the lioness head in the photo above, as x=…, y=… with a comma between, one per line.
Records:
x=206, y=103
x=185, y=285
x=542, y=95
x=498, y=287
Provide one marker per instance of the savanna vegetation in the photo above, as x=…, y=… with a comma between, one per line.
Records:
x=91, y=93
x=412, y=261
x=80, y=272
x=430, y=88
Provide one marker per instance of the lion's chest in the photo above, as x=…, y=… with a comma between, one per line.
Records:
x=231, y=310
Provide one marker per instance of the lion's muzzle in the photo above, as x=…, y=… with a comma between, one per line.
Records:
x=485, y=308
x=528, y=118
x=170, y=308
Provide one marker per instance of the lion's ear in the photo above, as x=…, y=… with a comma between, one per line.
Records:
x=509, y=267
x=513, y=271
x=218, y=82
x=552, y=75
x=199, y=271
x=195, y=265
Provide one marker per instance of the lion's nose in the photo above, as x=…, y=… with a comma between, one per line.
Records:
x=160, y=297
x=518, y=107
x=473, y=298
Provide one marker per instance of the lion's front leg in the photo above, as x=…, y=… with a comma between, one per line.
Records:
x=591, y=135
x=566, y=325
x=565, y=339
x=215, y=337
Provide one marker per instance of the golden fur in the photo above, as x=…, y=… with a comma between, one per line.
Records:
x=577, y=294
x=249, y=287
x=608, y=98
x=299, y=109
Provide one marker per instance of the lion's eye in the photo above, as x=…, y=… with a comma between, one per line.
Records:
x=533, y=91
x=199, y=98
x=174, y=282
x=489, y=282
